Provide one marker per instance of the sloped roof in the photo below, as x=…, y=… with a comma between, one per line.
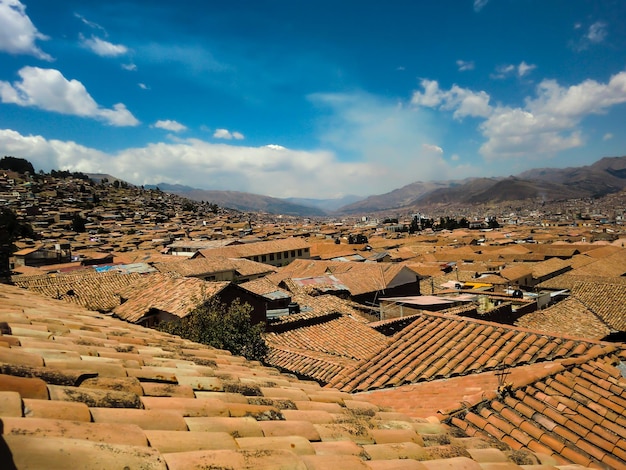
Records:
x=569, y=280
x=213, y=265
x=89, y=289
x=612, y=265
x=575, y=414
x=80, y=389
x=176, y=295
x=569, y=317
x=550, y=266
x=606, y=300
x=437, y=346
x=257, y=248
x=360, y=278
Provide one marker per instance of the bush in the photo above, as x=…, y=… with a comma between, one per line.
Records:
x=222, y=327
x=19, y=165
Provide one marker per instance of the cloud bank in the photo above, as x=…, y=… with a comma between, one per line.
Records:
x=49, y=90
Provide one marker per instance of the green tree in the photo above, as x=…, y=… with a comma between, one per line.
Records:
x=223, y=327
x=19, y=165
x=11, y=229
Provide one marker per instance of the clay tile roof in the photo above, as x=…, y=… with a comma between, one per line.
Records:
x=359, y=278
x=79, y=389
x=176, y=295
x=438, y=346
x=604, y=300
x=574, y=414
x=258, y=248
x=95, y=291
x=570, y=317
x=214, y=264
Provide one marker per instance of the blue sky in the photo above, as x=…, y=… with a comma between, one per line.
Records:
x=311, y=99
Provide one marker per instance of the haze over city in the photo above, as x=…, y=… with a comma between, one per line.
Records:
x=290, y=98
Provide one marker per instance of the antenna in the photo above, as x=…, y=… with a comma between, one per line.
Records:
x=504, y=388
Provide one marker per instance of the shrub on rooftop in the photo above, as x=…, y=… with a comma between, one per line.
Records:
x=223, y=327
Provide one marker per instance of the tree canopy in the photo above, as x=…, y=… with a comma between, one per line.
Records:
x=223, y=327
x=19, y=165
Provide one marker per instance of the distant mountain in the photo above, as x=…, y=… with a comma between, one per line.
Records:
x=240, y=200
x=328, y=205
x=397, y=198
x=606, y=176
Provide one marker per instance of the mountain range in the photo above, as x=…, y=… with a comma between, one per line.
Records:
x=607, y=175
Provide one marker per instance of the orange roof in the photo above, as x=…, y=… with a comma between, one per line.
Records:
x=78, y=389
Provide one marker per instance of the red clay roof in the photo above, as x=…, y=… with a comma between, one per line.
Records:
x=79, y=389
x=438, y=346
x=575, y=415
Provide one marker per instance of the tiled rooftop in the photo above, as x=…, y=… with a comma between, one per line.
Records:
x=360, y=278
x=320, y=346
x=574, y=414
x=95, y=291
x=176, y=295
x=439, y=346
x=79, y=389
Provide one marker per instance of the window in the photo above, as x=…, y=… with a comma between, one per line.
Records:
x=263, y=258
x=256, y=258
x=293, y=253
x=271, y=256
x=279, y=255
x=299, y=252
x=286, y=254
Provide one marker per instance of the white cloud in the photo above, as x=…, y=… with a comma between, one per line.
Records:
x=91, y=24
x=49, y=90
x=433, y=148
x=170, y=125
x=280, y=172
x=523, y=68
x=17, y=33
x=594, y=35
x=103, y=48
x=143, y=86
x=227, y=135
x=597, y=32
x=463, y=101
x=607, y=136
x=480, y=4
x=509, y=70
x=549, y=123
x=129, y=67
x=464, y=65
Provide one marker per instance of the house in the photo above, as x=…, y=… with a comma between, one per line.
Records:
x=160, y=297
x=274, y=252
x=41, y=255
x=365, y=282
x=217, y=268
x=594, y=309
x=189, y=248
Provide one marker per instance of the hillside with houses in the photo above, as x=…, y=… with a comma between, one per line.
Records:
x=493, y=337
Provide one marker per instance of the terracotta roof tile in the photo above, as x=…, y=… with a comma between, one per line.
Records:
x=199, y=406
x=563, y=413
x=432, y=342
